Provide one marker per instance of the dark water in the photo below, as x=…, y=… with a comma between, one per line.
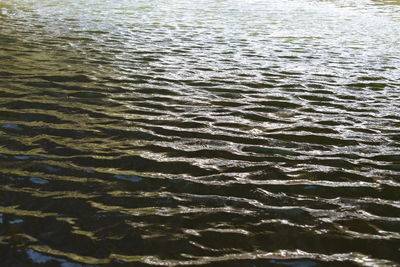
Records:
x=221, y=133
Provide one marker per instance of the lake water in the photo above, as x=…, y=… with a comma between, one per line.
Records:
x=209, y=132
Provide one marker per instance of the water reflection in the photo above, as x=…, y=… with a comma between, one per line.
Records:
x=240, y=133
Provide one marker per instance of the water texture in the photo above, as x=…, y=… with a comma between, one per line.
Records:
x=220, y=133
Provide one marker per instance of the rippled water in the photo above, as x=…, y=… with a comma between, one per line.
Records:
x=227, y=133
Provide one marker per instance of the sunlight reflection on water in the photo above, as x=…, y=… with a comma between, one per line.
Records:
x=239, y=133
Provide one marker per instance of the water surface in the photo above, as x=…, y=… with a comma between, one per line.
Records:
x=221, y=133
